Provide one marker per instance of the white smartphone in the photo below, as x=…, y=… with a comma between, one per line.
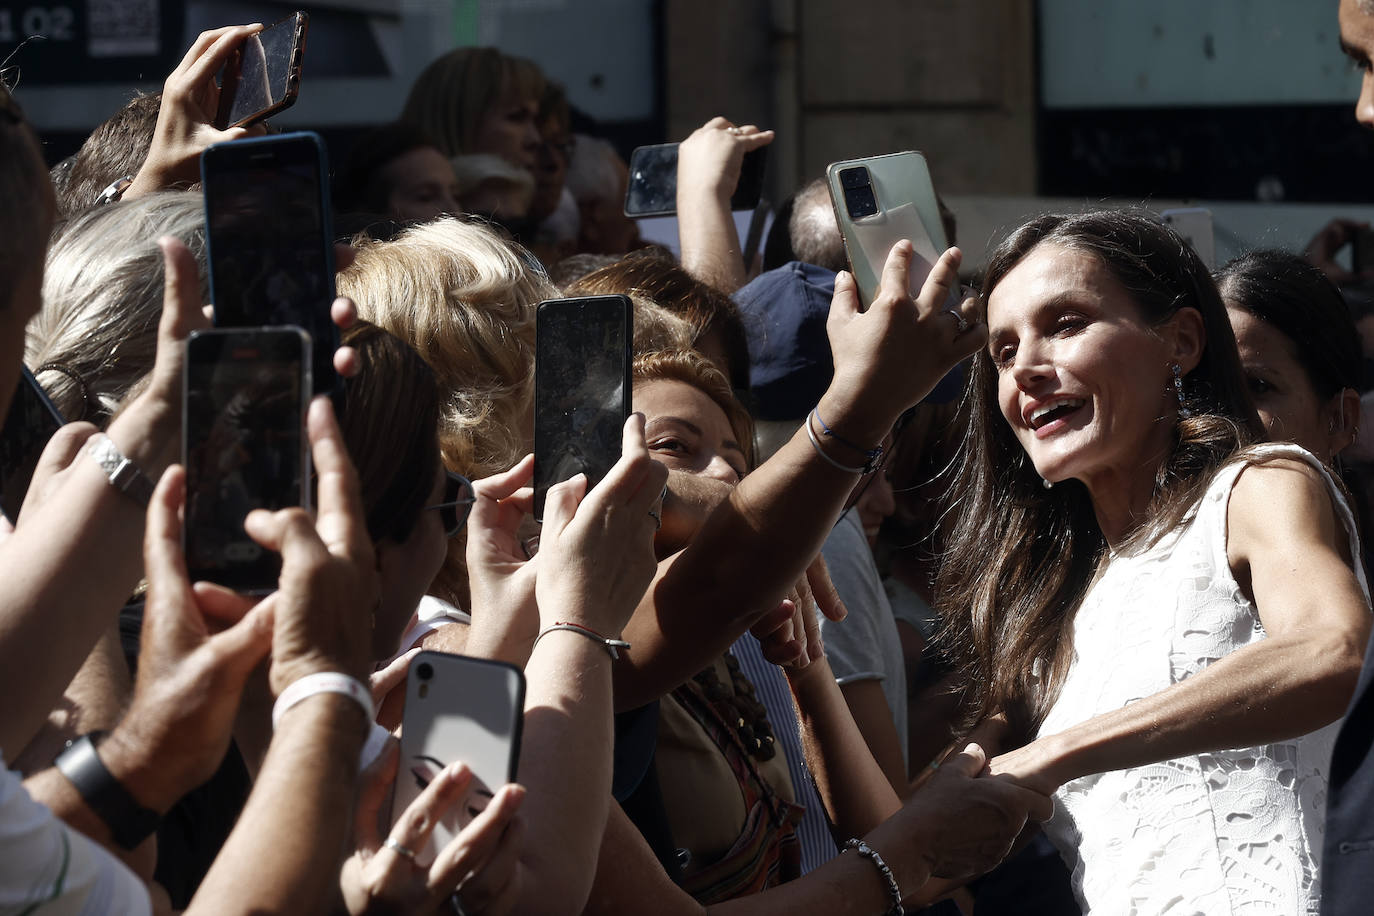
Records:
x=1195, y=225
x=458, y=708
x=878, y=202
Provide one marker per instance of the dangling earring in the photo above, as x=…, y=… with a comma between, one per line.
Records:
x=1183, y=411
x=1047, y=483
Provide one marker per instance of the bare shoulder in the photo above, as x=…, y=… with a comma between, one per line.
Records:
x=1281, y=502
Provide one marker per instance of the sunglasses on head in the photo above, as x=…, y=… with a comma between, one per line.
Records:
x=458, y=500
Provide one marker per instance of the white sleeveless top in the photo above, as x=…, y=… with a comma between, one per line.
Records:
x=1229, y=832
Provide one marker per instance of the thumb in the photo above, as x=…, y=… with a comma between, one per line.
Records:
x=376, y=780
x=239, y=648
x=970, y=762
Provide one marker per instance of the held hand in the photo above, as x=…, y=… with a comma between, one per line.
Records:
x=596, y=554
x=708, y=161
x=480, y=864
x=891, y=356
x=501, y=575
x=963, y=824
x=177, y=729
x=54, y=465
x=186, y=117
x=328, y=587
x=1035, y=766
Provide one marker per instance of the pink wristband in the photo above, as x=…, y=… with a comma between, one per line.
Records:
x=323, y=682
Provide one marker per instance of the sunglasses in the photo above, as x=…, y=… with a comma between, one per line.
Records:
x=458, y=500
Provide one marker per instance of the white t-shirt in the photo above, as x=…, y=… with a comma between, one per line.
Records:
x=48, y=869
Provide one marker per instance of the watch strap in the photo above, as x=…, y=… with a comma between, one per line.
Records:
x=130, y=823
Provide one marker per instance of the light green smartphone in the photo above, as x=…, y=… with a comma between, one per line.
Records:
x=878, y=202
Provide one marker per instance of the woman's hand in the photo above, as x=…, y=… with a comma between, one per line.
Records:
x=596, y=554
x=1037, y=766
x=480, y=865
x=708, y=161
x=186, y=117
x=891, y=356
x=501, y=575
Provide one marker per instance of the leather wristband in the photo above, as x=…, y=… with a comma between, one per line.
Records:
x=130, y=823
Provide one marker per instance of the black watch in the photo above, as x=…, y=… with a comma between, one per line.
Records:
x=130, y=823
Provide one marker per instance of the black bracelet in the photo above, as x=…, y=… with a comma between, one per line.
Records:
x=895, y=892
x=130, y=823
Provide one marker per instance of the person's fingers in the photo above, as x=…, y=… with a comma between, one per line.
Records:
x=718, y=123
x=756, y=140
x=222, y=605
x=507, y=483
x=974, y=336
x=343, y=311
x=198, y=47
x=803, y=654
x=59, y=454
x=970, y=761
x=894, y=284
x=943, y=277
x=485, y=888
x=560, y=504
x=376, y=781
x=344, y=256
x=392, y=676
x=340, y=501
x=844, y=301
x=209, y=63
x=239, y=648
x=412, y=830
x=347, y=362
x=472, y=848
x=823, y=590
x=170, y=619
x=773, y=619
x=812, y=628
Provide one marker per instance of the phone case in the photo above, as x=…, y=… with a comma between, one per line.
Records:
x=651, y=189
x=458, y=708
x=30, y=423
x=906, y=209
x=232, y=75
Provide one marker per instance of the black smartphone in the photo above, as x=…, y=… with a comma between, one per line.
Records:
x=1362, y=251
x=243, y=446
x=581, y=389
x=30, y=423
x=458, y=708
x=271, y=244
x=652, y=187
x=263, y=75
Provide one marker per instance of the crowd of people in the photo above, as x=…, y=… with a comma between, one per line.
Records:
x=1051, y=602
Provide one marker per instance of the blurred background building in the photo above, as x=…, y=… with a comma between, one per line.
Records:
x=1244, y=106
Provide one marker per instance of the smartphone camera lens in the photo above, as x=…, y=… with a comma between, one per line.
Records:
x=425, y=671
x=858, y=192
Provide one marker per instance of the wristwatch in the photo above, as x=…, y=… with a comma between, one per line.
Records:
x=124, y=475
x=114, y=191
x=130, y=823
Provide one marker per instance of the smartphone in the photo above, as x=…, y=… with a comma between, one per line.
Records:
x=30, y=423
x=652, y=188
x=263, y=75
x=1195, y=225
x=878, y=202
x=581, y=389
x=1362, y=251
x=243, y=447
x=271, y=244
x=458, y=708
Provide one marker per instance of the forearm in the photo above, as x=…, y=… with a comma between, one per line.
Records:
x=54, y=790
x=748, y=555
x=709, y=240
x=284, y=853
x=565, y=766
x=854, y=789
x=1278, y=688
x=81, y=554
x=95, y=700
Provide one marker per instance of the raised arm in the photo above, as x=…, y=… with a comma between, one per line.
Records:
x=757, y=543
x=708, y=170
x=1288, y=550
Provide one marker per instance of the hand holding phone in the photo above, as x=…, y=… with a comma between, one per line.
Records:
x=262, y=76
x=717, y=159
x=31, y=422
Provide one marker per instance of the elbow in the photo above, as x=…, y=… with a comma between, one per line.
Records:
x=1335, y=662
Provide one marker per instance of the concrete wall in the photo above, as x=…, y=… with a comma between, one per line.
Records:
x=840, y=79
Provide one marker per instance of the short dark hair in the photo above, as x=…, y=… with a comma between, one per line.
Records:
x=357, y=184
x=113, y=150
x=1297, y=300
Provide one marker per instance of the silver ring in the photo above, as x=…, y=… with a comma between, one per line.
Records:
x=734, y=130
x=658, y=520
x=961, y=323
x=400, y=850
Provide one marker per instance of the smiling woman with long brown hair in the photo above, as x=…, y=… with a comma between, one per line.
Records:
x=1165, y=611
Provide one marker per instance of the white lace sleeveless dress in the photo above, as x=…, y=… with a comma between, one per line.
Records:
x=1219, y=834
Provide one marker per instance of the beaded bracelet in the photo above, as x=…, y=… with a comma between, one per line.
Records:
x=895, y=892
x=610, y=645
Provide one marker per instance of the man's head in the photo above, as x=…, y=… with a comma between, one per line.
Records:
x=1357, y=41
